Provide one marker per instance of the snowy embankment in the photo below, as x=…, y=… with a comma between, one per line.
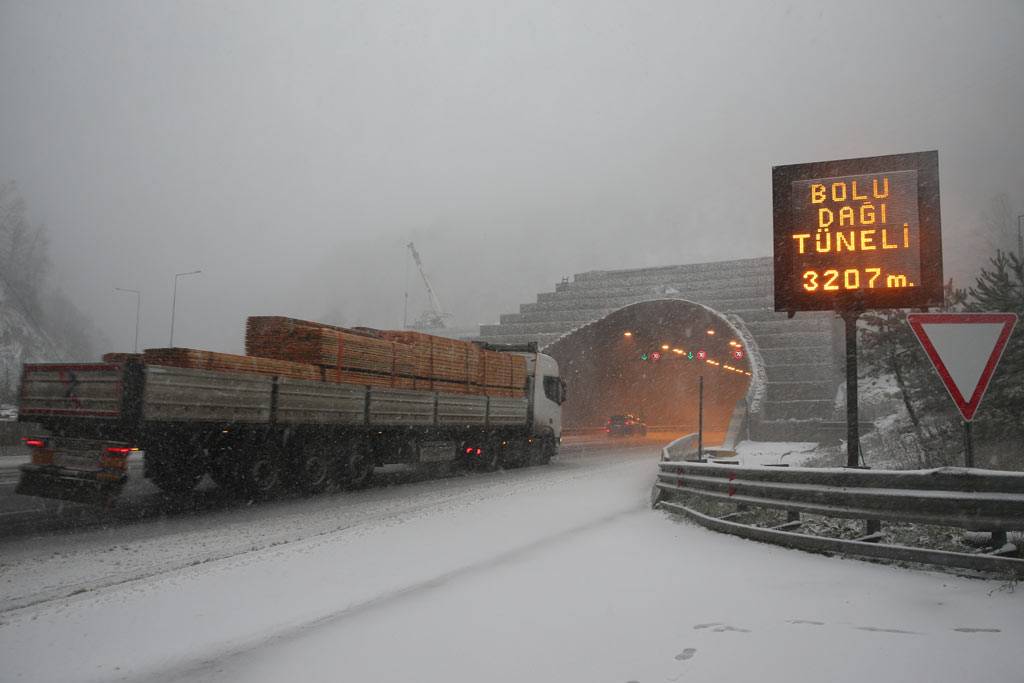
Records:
x=544, y=574
x=776, y=453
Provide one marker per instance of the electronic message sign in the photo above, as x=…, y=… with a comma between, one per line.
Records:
x=858, y=233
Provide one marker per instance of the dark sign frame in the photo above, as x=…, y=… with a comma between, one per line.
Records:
x=930, y=293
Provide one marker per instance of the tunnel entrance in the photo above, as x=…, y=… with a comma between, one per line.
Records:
x=647, y=359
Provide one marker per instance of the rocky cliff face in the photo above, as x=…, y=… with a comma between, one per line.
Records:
x=21, y=340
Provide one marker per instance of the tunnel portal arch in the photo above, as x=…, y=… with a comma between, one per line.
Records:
x=798, y=363
x=645, y=358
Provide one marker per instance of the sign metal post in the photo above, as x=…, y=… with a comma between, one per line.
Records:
x=700, y=420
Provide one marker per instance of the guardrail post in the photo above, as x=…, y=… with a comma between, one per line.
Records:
x=998, y=538
x=872, y=526
x=792, y=516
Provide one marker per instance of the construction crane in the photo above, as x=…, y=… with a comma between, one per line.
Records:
x=434, y=318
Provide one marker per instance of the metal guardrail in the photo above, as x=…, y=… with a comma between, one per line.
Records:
x=971, y=499
x=586, y=431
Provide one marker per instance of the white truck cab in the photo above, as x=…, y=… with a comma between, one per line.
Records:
x=547, y=393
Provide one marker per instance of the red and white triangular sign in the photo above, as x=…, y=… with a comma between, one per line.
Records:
x=965, y=349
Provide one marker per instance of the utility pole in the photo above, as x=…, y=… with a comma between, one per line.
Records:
x=138, y=305
x=174, y=299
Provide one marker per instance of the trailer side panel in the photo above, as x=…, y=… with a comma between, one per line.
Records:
x=400, y=407
x=185, y=395
x=508, y=412
x=319, y=403
x=460, y=410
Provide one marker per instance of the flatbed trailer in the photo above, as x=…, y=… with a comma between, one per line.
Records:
x=256, y=433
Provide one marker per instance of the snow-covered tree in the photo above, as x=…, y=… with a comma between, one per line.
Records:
x=1000, y=288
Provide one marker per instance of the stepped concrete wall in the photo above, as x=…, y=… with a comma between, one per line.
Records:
x=801, y=357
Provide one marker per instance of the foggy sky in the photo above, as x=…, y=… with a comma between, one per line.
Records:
x=290, y=150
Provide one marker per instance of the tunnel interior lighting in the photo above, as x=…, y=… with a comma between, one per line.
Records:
x=711, y=332
x=678, y=352
x=665, y=347
x=627, y=334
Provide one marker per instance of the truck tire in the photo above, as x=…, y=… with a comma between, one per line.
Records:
x=175, y=471
x=547, y=451
x=314, y=471
x=358, y=469
x=261, y=472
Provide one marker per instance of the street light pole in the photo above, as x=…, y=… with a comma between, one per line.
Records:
x=138, y=305
x=174, y=299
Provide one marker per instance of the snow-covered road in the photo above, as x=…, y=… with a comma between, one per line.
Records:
x=560, y=573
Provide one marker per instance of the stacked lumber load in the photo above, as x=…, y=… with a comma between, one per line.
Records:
x=300, y=349
x=349, y=356
x=502, y=374
x=227, y=362
x=439, y=359
x=445, y=364
x=121, y=358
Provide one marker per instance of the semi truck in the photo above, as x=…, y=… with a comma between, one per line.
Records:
x=257, y=433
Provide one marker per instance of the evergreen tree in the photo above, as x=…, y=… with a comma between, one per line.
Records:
x=1000, y=288
x=890, y=348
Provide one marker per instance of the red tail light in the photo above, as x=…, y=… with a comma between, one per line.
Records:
x=119, y=450
x=34, y=442
x=469, y=450
x=479, y=451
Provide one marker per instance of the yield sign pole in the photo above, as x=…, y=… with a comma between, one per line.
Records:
x=965, y=349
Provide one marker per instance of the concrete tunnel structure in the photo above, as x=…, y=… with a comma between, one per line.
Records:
x=795, y=364
x=648, y=359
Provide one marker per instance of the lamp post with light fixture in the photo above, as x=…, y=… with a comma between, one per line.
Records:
x=174, y=299
x=138, y=305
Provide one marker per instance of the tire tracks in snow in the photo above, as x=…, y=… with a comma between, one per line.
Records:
x=203, y=665
x=399, y=508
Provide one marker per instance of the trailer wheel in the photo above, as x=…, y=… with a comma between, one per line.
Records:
x=314, y=472
x=261, y=474
x=175, y=472
x=359, y=469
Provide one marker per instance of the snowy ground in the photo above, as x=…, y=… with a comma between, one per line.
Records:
x=560, y=573
x=775, y=453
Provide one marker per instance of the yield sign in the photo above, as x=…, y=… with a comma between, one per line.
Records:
x=965, y=349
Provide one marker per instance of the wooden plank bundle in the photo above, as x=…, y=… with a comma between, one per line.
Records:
x=121, y=357
x=227, y=362
x=447, y=361
x=440, y=359
x=301, y=349
x=327, y=346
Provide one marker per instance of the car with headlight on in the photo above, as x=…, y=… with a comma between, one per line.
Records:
x=625, y=425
